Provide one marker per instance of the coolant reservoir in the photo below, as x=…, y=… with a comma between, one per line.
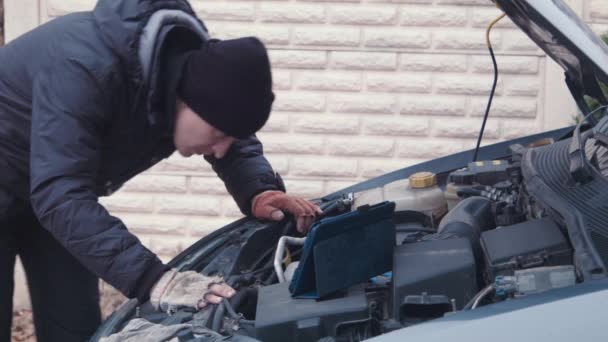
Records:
x=451, y=195
x=418, y=193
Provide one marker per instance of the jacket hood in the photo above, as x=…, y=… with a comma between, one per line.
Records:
x=135, y=31
x=564, y=37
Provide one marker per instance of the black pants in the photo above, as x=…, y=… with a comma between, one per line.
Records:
x=65, y=295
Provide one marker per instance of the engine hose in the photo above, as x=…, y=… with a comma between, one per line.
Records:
x=280, y=253
x=268, y=254
x=209, y=320
x=234, y=315
x=238, y=298
x=474, y=302
x=216, y=324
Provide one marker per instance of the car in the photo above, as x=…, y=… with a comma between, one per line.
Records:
x=504, y=242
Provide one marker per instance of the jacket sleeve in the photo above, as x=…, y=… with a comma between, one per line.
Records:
x=246, y=172
x=69, y=114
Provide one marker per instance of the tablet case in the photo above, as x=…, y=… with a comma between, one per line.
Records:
x=344, y=250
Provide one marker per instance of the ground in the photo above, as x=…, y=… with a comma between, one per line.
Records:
x=23, y=328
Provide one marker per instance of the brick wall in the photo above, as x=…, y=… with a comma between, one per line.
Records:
x=363, y=87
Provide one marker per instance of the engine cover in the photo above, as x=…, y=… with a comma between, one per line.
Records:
x=583, y=207
x=432, y=269
x=534, y=243
x=279, y=317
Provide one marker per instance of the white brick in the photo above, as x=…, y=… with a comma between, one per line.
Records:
x=130, y=203
x=377, y=167
x=428, y=2
x=346, y=1
x=516, y=40
x=464, y=2
x=293, y=144
x=57, y=8
x=180, y=164
x=599, y=29
x=482, y=17
x=397, y=38
x=281, y=13
x=364, y=60
x=230, y=209
x=199, y=227
x=207, y=185
x=189, y=205
x=233, y=11
x=435, y=62
x=411, y=105
x=510, y=107
x=277, y=123
x=427, y=149
x=515, y=129
x=298, y=59
x=332, y=81
x=326, y=124
x=381, y=104
x=395, y=82
x=437, y=16
x=522, y=86
x=326, y=36
x=324, y=167
x=154, y=224
x=281, y=80
x=333, y=186
x=599, y=9
x=473, y=85
x=156, y=183
x=363, y=147
x=275, y=35
x=363, y=15
x=464, y=40
x=299, y=102
x=279, y=164
x=464, y=128
x=399, y=126
x=169, y=247
x=308, y=189
x=506, y=64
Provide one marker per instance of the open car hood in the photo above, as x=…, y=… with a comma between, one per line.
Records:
x=556, y=29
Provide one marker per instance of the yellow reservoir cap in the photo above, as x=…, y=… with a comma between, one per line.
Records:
x=422, y=180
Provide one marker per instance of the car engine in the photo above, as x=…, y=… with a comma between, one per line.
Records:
x=491, y=231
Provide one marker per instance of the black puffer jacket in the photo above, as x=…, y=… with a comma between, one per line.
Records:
x=86, y=103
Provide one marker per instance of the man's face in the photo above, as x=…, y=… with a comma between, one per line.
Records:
x=193, y=135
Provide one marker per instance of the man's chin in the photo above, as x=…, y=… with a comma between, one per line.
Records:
x=185, y=154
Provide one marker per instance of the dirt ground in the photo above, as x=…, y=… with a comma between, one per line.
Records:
x=23, y=327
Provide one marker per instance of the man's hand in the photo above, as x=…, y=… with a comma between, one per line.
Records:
x=188, y=289
x=269, y=205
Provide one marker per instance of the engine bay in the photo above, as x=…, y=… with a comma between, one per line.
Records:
x=470, y=238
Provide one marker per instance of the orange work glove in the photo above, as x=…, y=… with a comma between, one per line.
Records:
x=269, y=205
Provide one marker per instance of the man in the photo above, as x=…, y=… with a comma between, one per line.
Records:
x=88, y=101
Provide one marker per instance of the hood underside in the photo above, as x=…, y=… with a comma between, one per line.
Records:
x=564, y=37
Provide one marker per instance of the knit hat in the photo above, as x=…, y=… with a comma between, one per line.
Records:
x=228, y=83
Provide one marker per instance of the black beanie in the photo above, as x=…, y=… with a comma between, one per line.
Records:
x=228, y=83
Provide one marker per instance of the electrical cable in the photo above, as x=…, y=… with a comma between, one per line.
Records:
x=485, y=117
